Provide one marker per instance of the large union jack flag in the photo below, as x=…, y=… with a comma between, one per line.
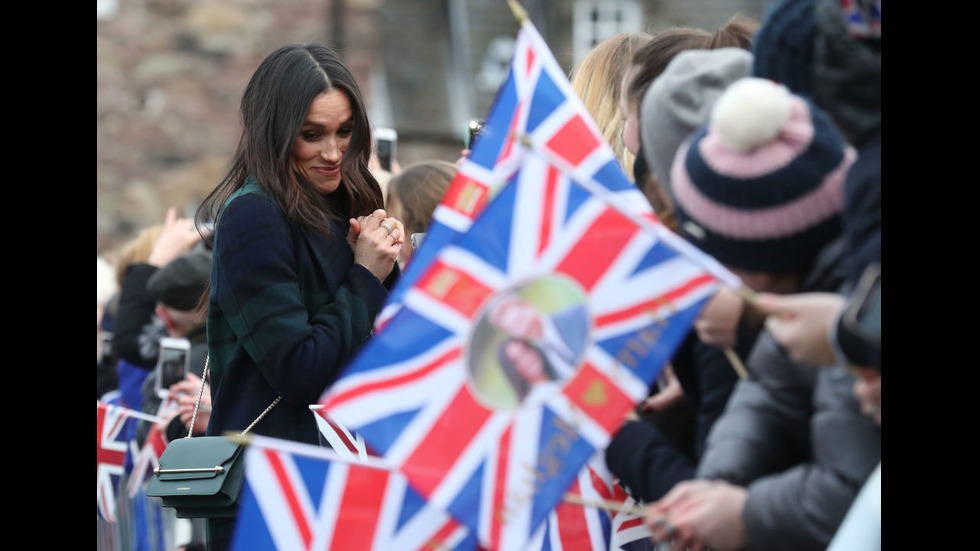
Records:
x=427, y=394
x=302, y=497
x=111, y=446
x=540, y=213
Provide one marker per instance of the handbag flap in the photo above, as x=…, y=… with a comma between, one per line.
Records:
x=205, y=452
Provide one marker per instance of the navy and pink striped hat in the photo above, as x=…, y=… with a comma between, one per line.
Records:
x=760, y=187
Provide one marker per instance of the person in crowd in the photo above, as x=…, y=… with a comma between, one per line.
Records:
x=846, y=81
x=783, y=51
x=413, y=196
x=136, y=328
x=597, y=80
x=649, y=63
x=177, y=289
x=650, y=458
x=760, y=188
x=304, y=254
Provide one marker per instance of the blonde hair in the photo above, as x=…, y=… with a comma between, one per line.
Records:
x=137, y=250
x=597, y=80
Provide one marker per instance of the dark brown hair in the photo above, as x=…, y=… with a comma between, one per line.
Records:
x=273, y=109
x=650, y=61
x=274, y=106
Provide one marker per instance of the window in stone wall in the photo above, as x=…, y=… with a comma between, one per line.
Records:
x=597, y=20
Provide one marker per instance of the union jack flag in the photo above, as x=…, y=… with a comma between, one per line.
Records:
x=112, y=443
x=629, y=531
x=147, y=459
x=578, y=526
x=337, y=437
x=424, y=395
x=536, y=107
x=301, y=497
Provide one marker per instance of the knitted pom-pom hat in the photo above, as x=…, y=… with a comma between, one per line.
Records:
x=760, y=186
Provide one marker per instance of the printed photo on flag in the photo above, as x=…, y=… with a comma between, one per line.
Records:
x=302, y=497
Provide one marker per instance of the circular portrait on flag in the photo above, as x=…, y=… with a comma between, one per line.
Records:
x=527, y=340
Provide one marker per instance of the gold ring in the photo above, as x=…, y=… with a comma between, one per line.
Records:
x=387, y=227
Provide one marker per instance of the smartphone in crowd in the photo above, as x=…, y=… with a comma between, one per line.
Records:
x=386, y=140
x=105, y=345
x=862, y=315
x=173, y=364
x=475, y=129
x=417, y=240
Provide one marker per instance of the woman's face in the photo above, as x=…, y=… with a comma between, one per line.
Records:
x=631, y=125
x=323, y=139
x=526, y=361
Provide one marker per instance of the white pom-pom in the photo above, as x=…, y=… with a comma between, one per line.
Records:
x=750, y=113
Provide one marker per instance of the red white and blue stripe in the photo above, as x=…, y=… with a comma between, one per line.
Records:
x=302, y=497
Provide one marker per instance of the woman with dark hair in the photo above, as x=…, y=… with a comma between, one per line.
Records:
x=303, y=253
x=525, y=365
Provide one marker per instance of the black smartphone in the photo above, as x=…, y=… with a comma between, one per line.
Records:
x=862, y=315
x=105, y=345
x=386, y=140
x=173, y=363
x=475, y=128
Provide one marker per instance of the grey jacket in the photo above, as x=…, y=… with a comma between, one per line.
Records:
x=794, y=436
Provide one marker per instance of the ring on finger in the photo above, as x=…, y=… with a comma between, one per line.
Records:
x=387, y=227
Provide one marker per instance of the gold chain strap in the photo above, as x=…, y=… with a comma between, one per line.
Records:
x=200, y=393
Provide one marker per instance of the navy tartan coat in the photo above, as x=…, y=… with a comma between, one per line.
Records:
x=288, y=309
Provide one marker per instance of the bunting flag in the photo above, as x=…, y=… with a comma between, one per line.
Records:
x=147, y=459
x=302, y=497
x=435, y=392
x=338, y=438
x=629, y=531
x=536, y=107
x=582, y=526
x=112, y=443
x=577, y=527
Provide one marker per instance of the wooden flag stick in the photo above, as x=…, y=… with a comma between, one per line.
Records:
x=752, y=298
x=519, y=12
x=748, y=294
x=605, y=504
x=736, y=363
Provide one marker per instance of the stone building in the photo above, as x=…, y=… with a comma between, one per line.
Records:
x=170, y=75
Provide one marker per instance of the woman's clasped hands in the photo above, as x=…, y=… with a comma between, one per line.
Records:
x=376, y=241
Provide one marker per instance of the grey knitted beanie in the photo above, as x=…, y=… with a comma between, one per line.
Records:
x=680, y=100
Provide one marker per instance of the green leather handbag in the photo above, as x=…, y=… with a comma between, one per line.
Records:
x=201, y=477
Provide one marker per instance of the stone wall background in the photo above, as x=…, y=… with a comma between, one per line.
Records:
x=170, y=73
